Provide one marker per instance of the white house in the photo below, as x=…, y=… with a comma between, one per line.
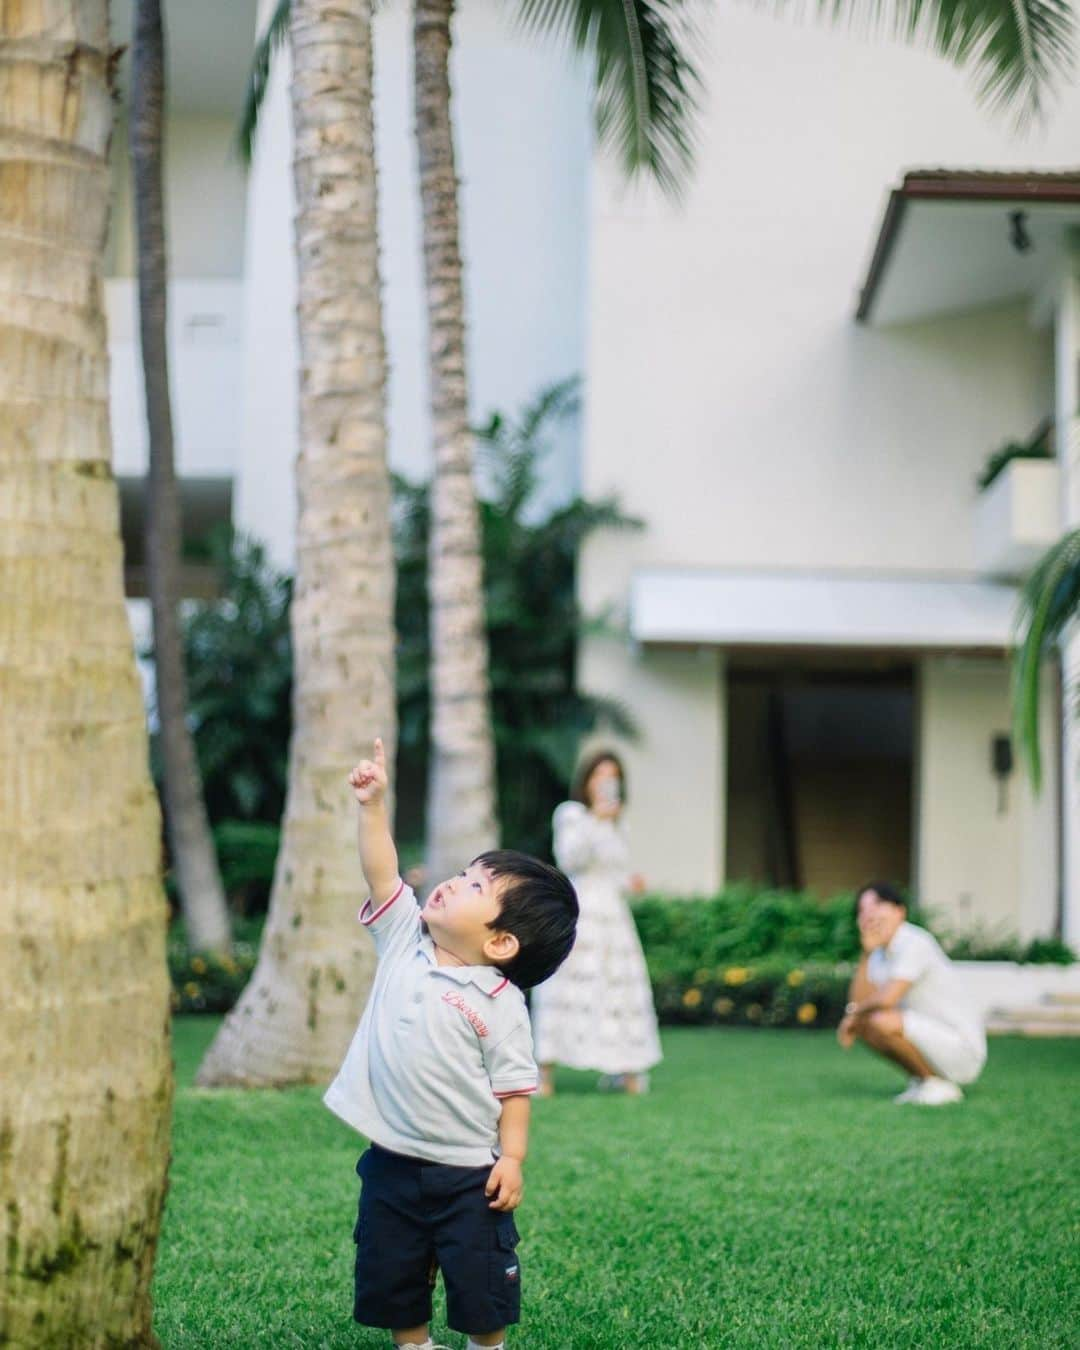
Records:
x=793, y=377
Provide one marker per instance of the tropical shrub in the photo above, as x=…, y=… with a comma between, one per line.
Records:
x=533, y=625
x=238, y=658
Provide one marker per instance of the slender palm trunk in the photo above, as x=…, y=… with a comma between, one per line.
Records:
x=461, y=787
x=301, y=1005
x=85, y=1080
x=202, y=895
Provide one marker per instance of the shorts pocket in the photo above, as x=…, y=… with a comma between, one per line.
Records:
x=506, y=1270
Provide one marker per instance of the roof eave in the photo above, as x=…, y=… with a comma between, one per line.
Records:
x=943, y=185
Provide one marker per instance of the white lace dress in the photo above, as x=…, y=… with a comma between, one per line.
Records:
x=596, y=1012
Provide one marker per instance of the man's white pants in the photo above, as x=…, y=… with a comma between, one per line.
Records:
x=947, y=1052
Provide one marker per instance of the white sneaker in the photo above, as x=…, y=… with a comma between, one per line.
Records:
x=937, y=1092
x=910, y=1093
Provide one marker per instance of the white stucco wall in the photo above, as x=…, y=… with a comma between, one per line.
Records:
x=980, y=866
x=521, y=112
x=722, y=348
x=205, y=192
x=205, y=200
x=675, y=768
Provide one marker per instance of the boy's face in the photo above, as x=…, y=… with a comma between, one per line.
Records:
x=458, y=913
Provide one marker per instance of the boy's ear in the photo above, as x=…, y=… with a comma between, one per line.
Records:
x=501, y=947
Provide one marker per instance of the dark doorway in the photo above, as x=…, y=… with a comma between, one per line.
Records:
x=820, y=774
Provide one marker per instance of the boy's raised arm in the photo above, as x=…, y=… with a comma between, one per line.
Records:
x=378, y=856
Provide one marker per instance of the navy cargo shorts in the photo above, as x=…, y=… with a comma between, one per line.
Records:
x=417, y=1218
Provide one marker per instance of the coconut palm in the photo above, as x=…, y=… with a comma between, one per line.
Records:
x=1049, y=606
x=646, y=91
x=202, y=896
x=84, y=1052
x=301, y=1005
x=461, y=781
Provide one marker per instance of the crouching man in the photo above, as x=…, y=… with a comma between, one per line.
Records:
x=906, y=1003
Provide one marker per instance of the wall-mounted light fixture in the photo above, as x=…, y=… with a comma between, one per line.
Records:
x=1018, y=232
x=1001, y=760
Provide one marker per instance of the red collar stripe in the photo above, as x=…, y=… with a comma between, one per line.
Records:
x=367, y=918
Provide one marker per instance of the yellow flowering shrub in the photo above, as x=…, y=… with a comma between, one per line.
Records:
x=208, y=983
x=765, y=995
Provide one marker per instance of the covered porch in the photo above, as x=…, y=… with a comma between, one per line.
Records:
x=864, y=726
x=954, y=242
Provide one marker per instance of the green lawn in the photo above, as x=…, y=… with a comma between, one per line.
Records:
x=767, y=1193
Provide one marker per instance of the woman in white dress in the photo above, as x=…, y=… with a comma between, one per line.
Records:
x=596, y=1012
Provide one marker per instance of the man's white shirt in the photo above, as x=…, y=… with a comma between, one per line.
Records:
x=436, y=1050
x=914, y=955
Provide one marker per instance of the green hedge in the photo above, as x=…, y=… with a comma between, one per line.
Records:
x=745, y=957
x=742, y=925
x=750, y=957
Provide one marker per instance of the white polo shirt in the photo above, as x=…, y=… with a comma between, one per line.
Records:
x=916, y=956
x=436, y=1049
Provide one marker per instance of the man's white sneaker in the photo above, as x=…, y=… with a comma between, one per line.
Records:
x=937, y=1092
x=910, y=1092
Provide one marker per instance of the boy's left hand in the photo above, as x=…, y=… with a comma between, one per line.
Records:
x=506, y=1184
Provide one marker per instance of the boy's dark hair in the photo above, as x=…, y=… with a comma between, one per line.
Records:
x=586, y=769
x=540, y=907
x=883, y=891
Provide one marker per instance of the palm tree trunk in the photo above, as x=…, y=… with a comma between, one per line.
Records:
x=202, y=895
x=461, y=787
x=305, y=995
x=85, y=1082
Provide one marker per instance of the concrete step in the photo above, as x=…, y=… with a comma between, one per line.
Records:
x=1062, y=1000
x=997, y=1026
x=1045, y=1012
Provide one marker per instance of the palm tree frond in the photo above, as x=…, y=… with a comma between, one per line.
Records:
x=1017, y=49
x=1049, y=602
x=647, y=87
x=273, y=37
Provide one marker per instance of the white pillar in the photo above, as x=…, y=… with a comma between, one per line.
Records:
x=1067, y=410
x=265, y=494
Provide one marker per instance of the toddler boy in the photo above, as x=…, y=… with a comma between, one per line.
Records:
x=438, y=1077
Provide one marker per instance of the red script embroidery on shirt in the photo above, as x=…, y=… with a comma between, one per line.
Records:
x=471, y=1016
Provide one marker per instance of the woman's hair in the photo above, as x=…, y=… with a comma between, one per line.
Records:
x=585, y=770
x=889, y=894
